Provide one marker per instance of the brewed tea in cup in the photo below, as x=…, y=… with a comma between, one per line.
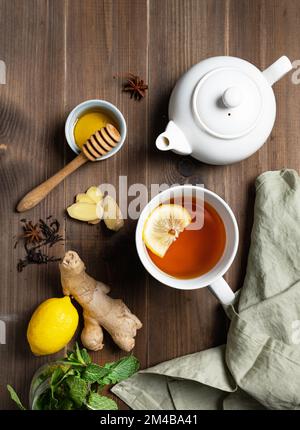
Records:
x=198, y=257
x=196, y=250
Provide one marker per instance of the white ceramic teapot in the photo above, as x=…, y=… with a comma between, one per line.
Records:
x=222, y=110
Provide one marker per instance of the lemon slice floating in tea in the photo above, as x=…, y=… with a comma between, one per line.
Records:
x=163, y=226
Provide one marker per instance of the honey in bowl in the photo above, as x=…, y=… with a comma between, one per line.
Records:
x=195, y=251
x=89, y=122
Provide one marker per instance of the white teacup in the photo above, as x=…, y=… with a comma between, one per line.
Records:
x=214, y=278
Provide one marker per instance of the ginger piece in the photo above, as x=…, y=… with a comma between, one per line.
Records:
x=84, y=198
x=95, y=194
x=112, y=215
x=102, y=207
x=99, y=310
x=85, y=211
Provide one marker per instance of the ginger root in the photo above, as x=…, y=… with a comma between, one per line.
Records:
x=99, y=310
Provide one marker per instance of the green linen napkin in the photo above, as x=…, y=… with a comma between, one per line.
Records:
x=260, y=365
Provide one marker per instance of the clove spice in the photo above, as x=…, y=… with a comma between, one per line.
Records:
x=37, y=237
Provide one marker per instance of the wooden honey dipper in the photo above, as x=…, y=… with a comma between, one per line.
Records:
x=99, y=144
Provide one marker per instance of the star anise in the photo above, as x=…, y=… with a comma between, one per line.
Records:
x=36, y=238
x=135, y=86
x=31, y=233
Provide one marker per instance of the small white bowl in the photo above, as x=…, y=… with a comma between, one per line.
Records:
x=88, y=105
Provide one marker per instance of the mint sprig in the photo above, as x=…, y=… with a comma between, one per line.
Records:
x=77, y=383
x=14, y=396
x=98, y=402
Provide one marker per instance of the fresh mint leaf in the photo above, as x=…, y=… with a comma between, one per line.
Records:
x=56, y=376
x=78, y=354
x=86, y=358
x=78, y=389
x=98, y=402
x=67, y=405
x=77, y=357
x=93, y=372
x=71, y=356
x=74, y=363
x=43, y=402
x=75, y=382
x=120, y=370
x=14, y=396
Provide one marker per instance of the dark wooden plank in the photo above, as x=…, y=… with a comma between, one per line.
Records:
x=181, y=34
x=260, y=32
x=113, y=41
x=187, y=32
x=31, y=115
x=61, y=53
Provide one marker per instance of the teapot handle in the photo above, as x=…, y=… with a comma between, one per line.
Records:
x=277, y=70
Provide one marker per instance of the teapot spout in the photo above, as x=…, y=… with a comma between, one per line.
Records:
x=173, y=139
x=277, y=70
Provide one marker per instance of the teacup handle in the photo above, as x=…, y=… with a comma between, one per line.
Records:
x=222, y=291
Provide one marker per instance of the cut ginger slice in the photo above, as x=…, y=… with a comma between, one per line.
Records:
x=95, y=194
x=84, y=198
x=163, y=226
x=85, y=211
x=112, y=214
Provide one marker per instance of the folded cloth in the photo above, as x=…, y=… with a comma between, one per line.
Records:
x=259, y=367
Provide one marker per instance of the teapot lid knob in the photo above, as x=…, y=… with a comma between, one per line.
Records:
x=232, y=97
x=227, y=101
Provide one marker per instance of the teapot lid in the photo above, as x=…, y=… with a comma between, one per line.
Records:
x=227, y=102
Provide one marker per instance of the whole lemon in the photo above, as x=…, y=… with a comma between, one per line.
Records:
x=52, y=326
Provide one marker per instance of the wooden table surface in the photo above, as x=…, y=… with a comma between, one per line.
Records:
x=59, y=53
